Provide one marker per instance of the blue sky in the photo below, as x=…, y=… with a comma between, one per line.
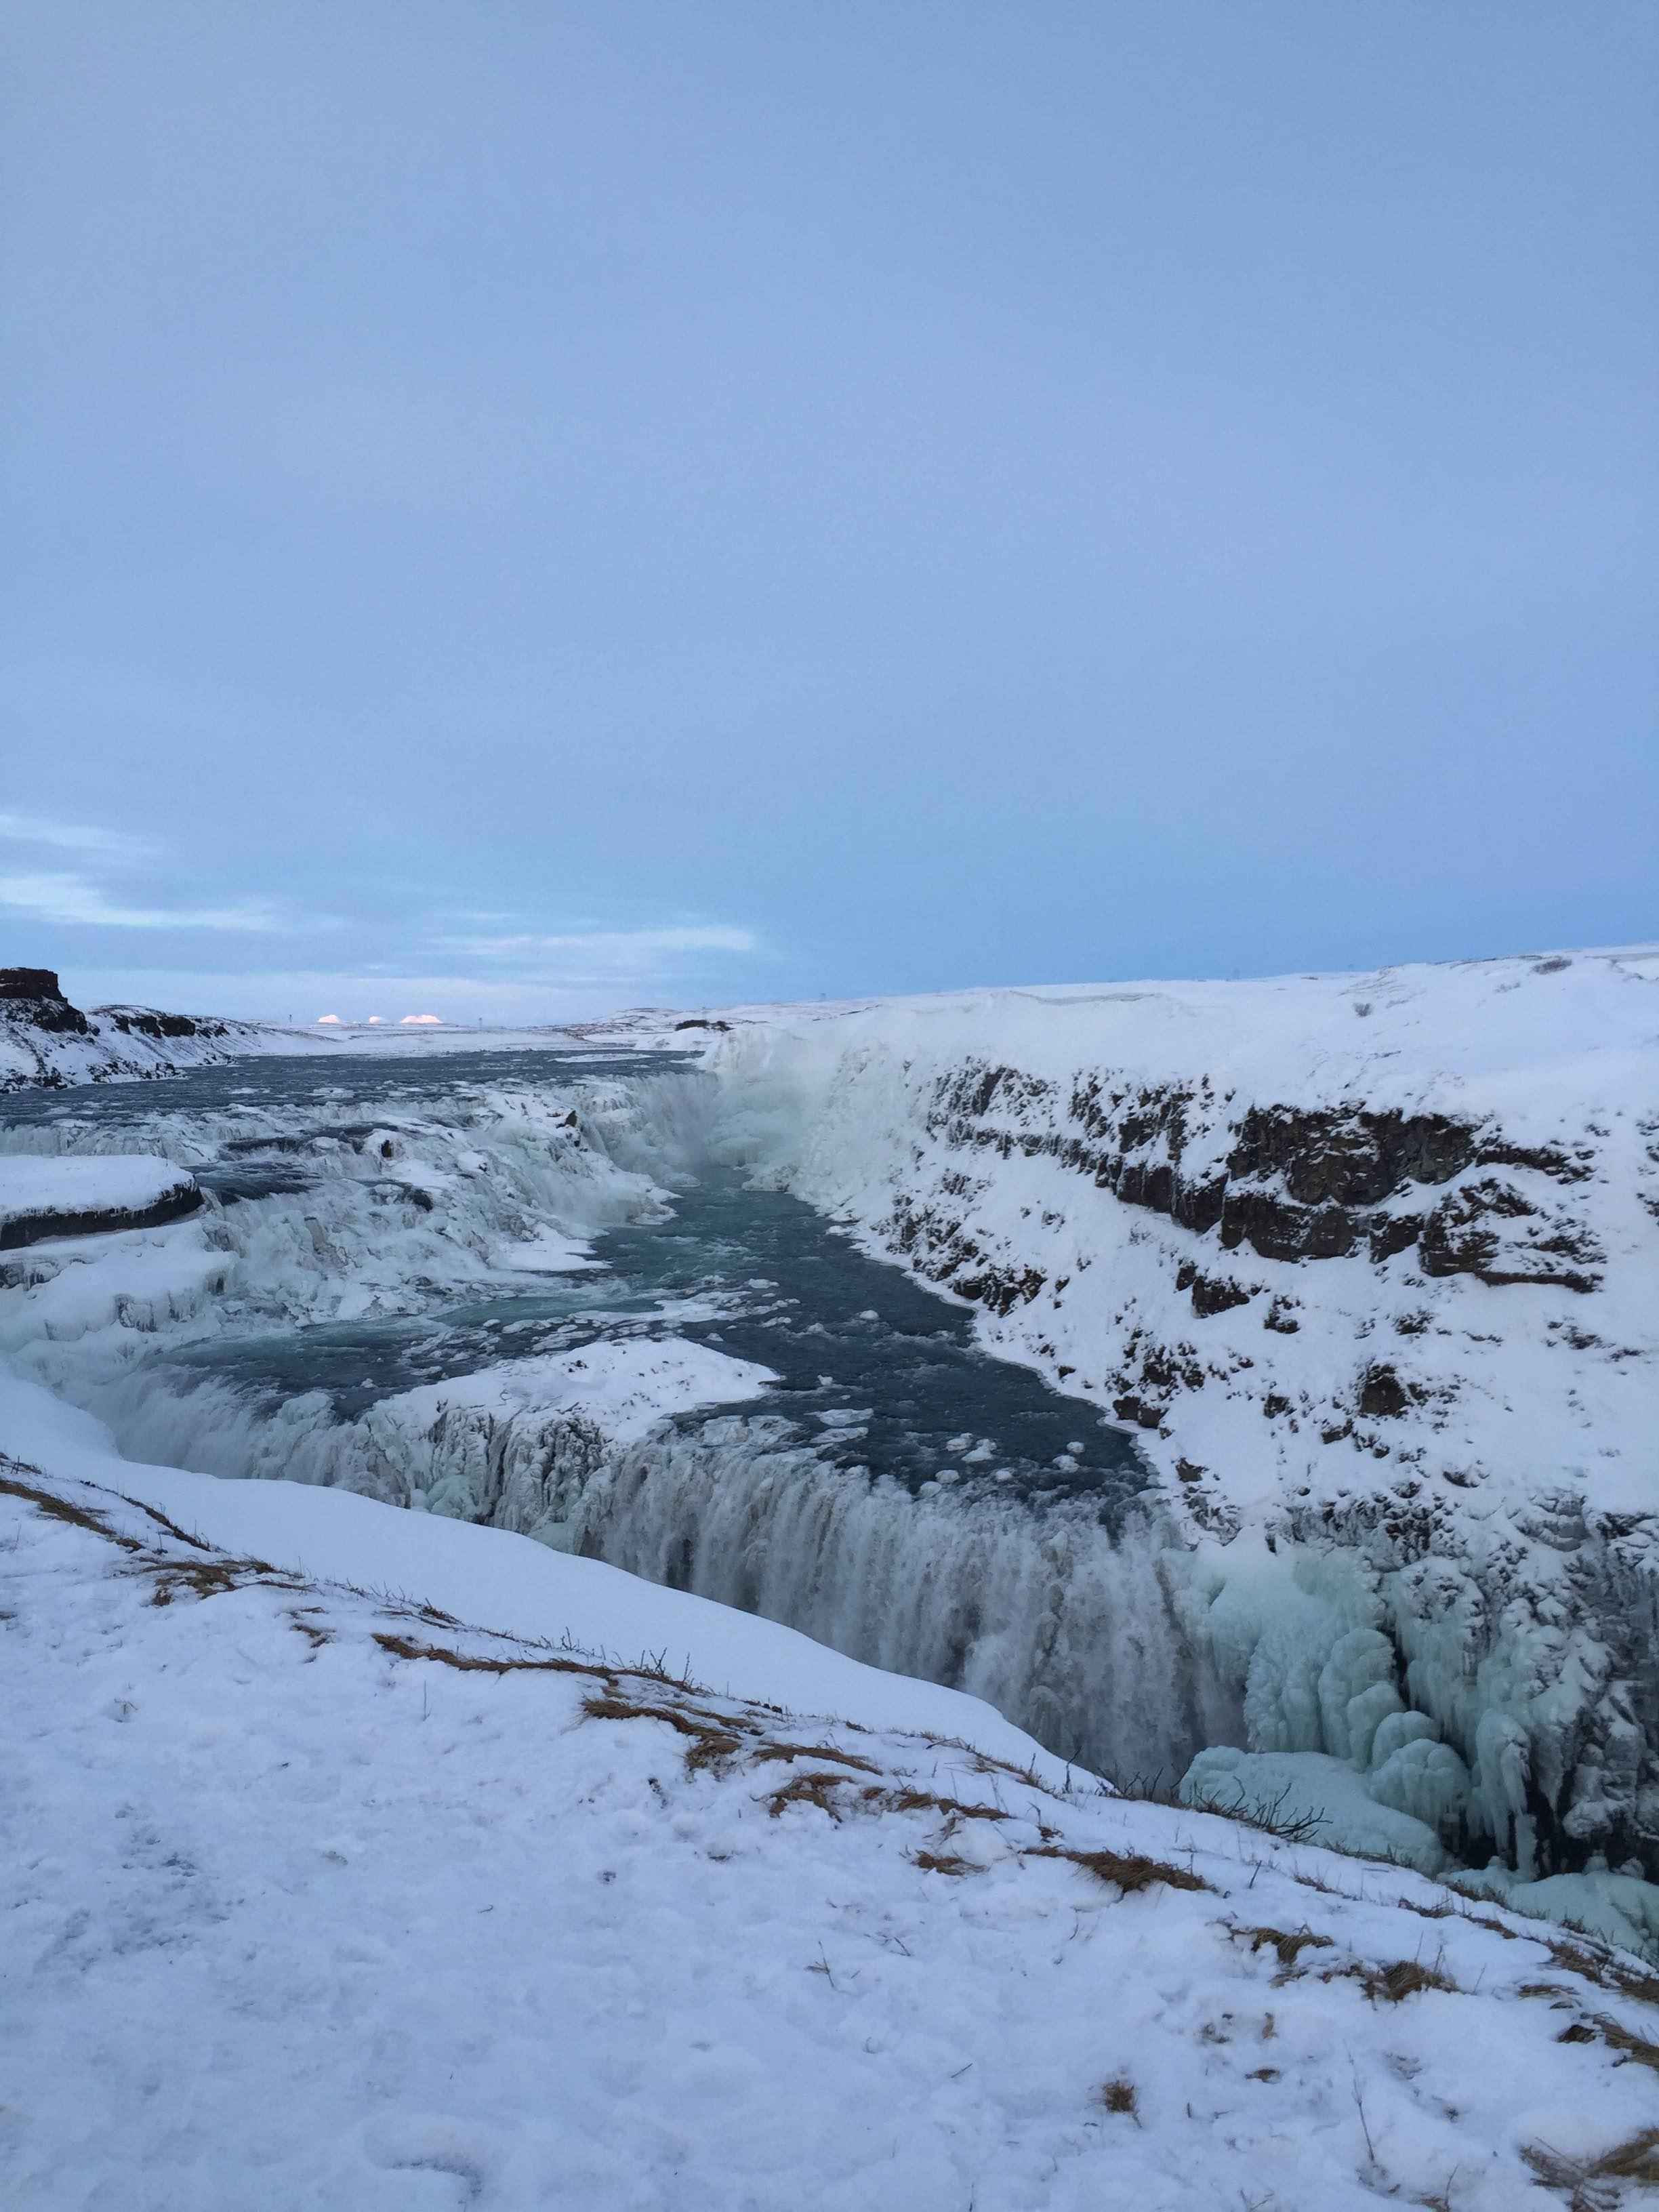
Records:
x=513, y=509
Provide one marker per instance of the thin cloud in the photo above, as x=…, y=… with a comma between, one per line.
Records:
x=636, y=951
x=71, y=900
x=510, y=1001
x=72, y=836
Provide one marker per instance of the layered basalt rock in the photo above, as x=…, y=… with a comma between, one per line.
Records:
x=146, y=1022
x=32, y=997
x=39, y=1228
x=1294, y=1182
x=47, y=1042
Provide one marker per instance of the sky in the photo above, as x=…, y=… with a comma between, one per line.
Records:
x=514, y=508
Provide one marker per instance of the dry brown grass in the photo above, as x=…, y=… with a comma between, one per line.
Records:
x=467, y=1662
x=1119, y=2096
x=211, y=1577
x=1128, y=1870
x=789, y=1753
x=1607, y=1969
x=1289, y=1943
x=1635, y=2049
x=1393, y=1984
x=59, y=1508
x=1636, y=2160
x=712, y=1738
x=807, y=1789
x=924, y=1801
x=1462, y=1910
x=162, y=1520
x=943, y=1863
x=207, y=1576
x=984, y=1762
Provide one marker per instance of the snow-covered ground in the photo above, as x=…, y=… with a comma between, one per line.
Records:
x=316, y=1896
x=45, y=1040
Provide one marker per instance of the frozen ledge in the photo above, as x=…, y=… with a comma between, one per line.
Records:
x=45, y=1198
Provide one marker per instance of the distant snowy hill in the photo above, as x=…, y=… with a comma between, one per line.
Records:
x=46, y=1040
x=317, y=1896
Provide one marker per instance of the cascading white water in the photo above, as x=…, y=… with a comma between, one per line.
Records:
x=1060, y=1623
x=1065, y=1625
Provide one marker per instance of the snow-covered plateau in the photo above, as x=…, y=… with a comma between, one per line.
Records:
x=1246, y=1392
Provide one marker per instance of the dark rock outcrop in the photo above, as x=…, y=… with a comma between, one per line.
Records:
x=1291, y=1183
x=145, y=1021
x=37, y=1228
x=33, y=996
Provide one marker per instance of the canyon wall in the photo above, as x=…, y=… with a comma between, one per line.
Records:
x=1372, y=1265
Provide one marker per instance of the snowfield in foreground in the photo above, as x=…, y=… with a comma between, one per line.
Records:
x=319, y=1898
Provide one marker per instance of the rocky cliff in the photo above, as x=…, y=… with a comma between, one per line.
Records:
x=46, y=1040
x=1372, y=1263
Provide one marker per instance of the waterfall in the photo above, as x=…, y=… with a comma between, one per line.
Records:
x=1069, y=1627
x=1064, y=1625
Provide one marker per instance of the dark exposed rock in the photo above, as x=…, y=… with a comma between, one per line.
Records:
x=29, y=983
x=1279, y=1230
x=145, y=1021
x=937, y=1249
x=1348, y=1158
x=1394, y=1232
x=1296, y=1183
x=1464, y=1235
x=32, y=995
x=1001, y=1290
x=1382, y=1396
x=1216, y=1294
x=37, y=1228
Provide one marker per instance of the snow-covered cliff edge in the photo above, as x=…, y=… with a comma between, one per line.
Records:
x=46, y=1041
x=1372, y=1263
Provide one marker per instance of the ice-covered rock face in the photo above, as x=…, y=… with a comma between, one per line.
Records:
x=1373, y=1264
